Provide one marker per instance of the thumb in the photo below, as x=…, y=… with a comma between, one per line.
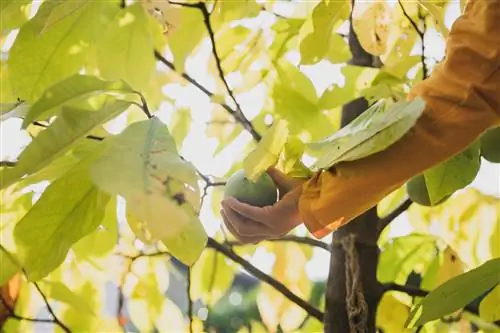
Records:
x=282, y=181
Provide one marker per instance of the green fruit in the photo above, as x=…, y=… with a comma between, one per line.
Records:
x=261, y=193
x=418, y=193
x=490, y=145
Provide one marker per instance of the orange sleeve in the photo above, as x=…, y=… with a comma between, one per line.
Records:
x=462, y=101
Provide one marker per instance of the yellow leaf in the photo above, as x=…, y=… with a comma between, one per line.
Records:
x=267, y=152
x=392, y=314
x=452, y=266
x=437, y=13
x=371, y=22
x=489, y=308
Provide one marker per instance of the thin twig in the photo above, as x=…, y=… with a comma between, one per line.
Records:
x=144, y=105
x=190, y=301
x=229, y=253
x=290, y=238
x=91, y=137
x=385, y=221
x=51, y=311
x=13, y=315
x=425, y=72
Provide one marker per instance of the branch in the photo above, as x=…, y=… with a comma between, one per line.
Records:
x=190, y=301
x=13, y=315
x=384, y=222
x=291, y=238
x=420, y=34
x=91, y=137
x=306, y=306
x=8, y=164
x=51, y=311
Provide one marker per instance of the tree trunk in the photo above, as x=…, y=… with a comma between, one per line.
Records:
x=355, y=253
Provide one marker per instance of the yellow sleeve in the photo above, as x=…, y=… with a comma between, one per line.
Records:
x=462, y=101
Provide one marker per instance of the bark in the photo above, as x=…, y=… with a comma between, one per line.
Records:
x=364, y=230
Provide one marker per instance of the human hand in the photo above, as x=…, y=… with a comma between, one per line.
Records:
x=250, y=224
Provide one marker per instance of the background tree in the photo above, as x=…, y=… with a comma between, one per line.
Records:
x=121, y=121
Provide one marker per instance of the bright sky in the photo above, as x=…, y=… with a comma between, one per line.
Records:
x=199, y=149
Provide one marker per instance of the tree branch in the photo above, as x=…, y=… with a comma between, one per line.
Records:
x=51, y=311
x=8, y=164
x=229, y=253
x=190, y=301
x=384, y=222
x=291, y=238
x=13, y=315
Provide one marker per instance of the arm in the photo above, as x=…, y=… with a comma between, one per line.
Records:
x=463, y=100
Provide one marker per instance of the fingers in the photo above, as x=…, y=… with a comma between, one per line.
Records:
x=282, y=181
x=246, y=231
x=246, y=211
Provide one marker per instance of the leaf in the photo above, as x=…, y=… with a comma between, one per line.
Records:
x=13, y=14
x=391, y=314
x=11, y=110
x=453, y=174
x=60, y=292
x=489, y=308
x=157, y=184
x=8, y=268
x=438, y=15
x=72, y=88
x=371, y=22
x=185, y=37
x=72, y=125
x=319, y=29
x=181, y=124
x=60, y=51
x=456, y=293
x=69, y=209
x=374, y=131
x=402, y=255
x=126, y=49
x=390, y=202
x=65, y=9
x=212, y=277
x=267, y=152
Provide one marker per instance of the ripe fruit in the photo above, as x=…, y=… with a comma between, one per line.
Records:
x=261, y=193
x=490, y=145
x=417, y=191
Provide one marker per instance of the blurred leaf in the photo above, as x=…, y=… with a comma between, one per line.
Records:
x=72, y=125
x=59, y=219
x=456, y=293
x=453, y=174
x=13, y=14
x=211, y=277
x=170, y=318
x=371, y=23
x=403, y=255
x=60, y=292
x=267, y=152
x=375, y=130
x=181, y=124
x=319, y=29
x=8, y=267
x=451, y=266
x=438, y=14
x=390, y=202
x=157, y=183
x=125, y=44
x=65, y=9
x=489, y=308
x=72, y=88
x=13, y=109
x=141, y=314
x=392, y=314
x=60, y=51
x=338, y=51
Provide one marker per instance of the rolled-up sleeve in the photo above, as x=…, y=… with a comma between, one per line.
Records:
x=462, y=101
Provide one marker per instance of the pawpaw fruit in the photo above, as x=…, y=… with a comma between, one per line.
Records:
x=261, y=193
x=490, y=145
x=418, y=193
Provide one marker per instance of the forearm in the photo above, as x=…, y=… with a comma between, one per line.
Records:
x=462, y=101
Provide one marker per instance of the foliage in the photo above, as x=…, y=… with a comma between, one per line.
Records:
x=135, y=114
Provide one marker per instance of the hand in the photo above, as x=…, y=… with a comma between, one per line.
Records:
x=250, y=224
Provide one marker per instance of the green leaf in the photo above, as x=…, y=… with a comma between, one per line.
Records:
x=181, y=124
x=8, y=268
x=319, y=29
x=456, y=293
x=100, y=242
x=489, y=308
x=374, y=131
x=69, y=209
x=157, y=184
x=11, y=110
x=185, y=37
x=13, y=13
x=401, y=255
x=453, y=174
x=267, y=152
x=126, y=49
x=212, y=277
x=60, y=292
x=60, y=51
x=72, y=88
x=72, y=125
x=59, y=13
x=438, y=13
x=392, y=201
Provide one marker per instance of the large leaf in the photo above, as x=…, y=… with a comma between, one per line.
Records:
x=14, y=109
x=60, y=292
x=456, y=293
x=319, y=29
x=69, y=209
x=60, y=51
x=126, y=43
x=453, y=174
x=371, y=24
x=13, y=13
x=74, y=87
x=160, y=187
x=375, y=130
x=72, y=125
x=8, y=267
x=267, y=152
